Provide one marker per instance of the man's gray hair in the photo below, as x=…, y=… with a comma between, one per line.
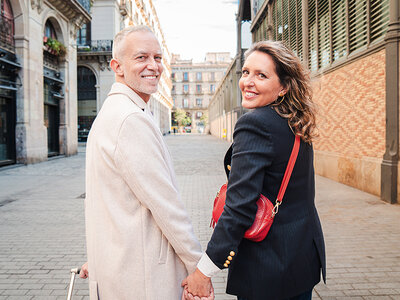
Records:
x=120, y=36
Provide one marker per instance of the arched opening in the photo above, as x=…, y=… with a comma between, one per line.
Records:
x=87, y=110
x=52, y=87
x=8, y=86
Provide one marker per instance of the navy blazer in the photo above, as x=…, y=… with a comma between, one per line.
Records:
x=289, y=260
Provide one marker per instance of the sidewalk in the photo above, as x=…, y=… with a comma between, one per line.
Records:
x=42, y=226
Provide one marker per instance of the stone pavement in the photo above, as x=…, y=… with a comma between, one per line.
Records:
x=42, y=226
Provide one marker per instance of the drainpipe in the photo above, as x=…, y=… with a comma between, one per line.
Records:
x=389, y=167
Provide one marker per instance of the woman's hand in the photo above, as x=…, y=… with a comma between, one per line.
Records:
x=197, y=284
x=84, y=273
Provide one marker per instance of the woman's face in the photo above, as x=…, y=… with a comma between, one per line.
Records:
x=259, y=83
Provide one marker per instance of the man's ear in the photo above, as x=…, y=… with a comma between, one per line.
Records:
x=117, y=67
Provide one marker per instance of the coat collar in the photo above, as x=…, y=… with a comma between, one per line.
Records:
x=120, y=88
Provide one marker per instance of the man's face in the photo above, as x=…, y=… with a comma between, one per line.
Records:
x=140, y=59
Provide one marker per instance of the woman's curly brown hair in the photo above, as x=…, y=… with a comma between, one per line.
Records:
x=297, y=105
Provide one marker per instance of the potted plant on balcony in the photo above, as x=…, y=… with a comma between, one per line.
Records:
x=54, y=47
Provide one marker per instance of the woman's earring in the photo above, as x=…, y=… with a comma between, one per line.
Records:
x=283, y=97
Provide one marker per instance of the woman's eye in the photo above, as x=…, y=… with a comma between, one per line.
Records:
x=262, y=75
x=245, y=72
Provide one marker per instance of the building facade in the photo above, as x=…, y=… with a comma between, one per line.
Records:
x=194, y=85
x=38, y=94
x=351, y=48
x=95, y=76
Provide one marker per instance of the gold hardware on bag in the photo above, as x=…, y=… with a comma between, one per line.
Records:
x=276, y=208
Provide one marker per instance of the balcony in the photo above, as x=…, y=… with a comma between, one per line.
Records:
x=7, y=36
x=96, y=46
x=74, y=9
x=100, y=50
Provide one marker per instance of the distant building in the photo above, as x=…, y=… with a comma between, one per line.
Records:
x=38, y=93
x=95, y=76
x=351, y=48
x=194, y=85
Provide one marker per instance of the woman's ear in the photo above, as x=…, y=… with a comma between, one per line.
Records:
x=282, y=92
x=117, y=67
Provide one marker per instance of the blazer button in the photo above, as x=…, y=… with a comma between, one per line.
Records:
x=225, y=265
x=227, y=262
x=229, y=257
x=232, y=253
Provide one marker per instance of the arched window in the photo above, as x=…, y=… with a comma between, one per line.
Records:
x=6, y=24
x=49, y=30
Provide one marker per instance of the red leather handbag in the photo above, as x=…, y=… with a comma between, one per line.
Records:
x=266, y=211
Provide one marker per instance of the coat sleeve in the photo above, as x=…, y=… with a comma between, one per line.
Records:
x=141, y=159
x=252, y=152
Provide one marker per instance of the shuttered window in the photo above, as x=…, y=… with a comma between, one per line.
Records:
x=379, y=18
x=324, y=30
x=312, y=36
x=357, y=24
x=339, y=36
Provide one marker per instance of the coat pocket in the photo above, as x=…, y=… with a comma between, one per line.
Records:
x=163, y=250
x=93, y=290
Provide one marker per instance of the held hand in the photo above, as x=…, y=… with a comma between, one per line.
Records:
x=84, y=273
x=198, y=284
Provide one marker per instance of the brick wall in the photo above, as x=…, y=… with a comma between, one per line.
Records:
x=351, y=122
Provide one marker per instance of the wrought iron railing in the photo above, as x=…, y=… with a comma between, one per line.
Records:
x=7, y=33
x=96, y=46
x=86, y=4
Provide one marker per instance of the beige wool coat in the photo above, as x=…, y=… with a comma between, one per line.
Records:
x=140, y=241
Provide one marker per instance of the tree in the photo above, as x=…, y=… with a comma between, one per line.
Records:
x=182, y=118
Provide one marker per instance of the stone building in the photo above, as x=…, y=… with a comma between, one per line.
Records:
x=38, y=95
x=351, y=48
x=194, y=85
x=95, y=76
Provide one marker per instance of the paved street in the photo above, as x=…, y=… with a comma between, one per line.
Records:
x=42, y=226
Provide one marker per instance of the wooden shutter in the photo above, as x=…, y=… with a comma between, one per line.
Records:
x=339, y=29
x=324, y=33
x=299, y=32
x=379, y=18
x=285, y=22
x=358, y=24
x=312, y=36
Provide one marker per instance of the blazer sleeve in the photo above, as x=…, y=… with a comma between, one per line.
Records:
x=252, y=152
x=140, y=160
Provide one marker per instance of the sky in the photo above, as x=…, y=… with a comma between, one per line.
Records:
x=193, y=27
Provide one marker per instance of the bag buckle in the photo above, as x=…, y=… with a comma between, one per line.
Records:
x=276, y=207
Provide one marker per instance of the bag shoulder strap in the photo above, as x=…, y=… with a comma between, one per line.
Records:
x=289, y=168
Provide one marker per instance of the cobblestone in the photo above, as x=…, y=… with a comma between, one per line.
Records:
x=43, y=236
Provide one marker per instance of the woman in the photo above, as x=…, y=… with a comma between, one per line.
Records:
x=287, y=263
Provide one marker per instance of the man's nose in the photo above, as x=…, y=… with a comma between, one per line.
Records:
x=152, y=64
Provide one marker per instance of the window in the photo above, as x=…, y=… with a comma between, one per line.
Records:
x=84, y=33
x=212, y=76
x=186, y=88
x=185, y=103
x=172, y=75
x=185, y=76
x=198, y=88
x=173, y=88
x=366, y=20
x=212, y=88
x=199, y=101
x=7, y=24
x=199, y=114
x=49, y=30
x=198, y=76
x=287, y=25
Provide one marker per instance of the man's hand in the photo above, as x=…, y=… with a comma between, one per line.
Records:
x=84, y=273
x=198, y=284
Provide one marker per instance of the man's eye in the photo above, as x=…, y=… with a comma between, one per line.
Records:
x=158, y=58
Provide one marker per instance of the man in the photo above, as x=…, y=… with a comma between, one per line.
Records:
x=140, y=241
